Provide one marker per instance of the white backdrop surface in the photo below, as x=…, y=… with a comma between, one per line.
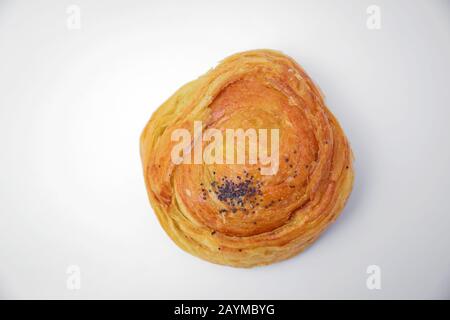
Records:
x=74, y=101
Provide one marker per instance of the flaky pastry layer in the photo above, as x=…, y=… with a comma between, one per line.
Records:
x=270, y=217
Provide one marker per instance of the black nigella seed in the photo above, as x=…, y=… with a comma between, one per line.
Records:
x=237, y=194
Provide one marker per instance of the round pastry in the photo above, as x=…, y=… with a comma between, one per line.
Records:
x=245, y=165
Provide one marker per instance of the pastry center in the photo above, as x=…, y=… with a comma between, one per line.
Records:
x=238, y=198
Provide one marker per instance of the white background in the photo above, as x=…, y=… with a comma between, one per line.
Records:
x=73, y=104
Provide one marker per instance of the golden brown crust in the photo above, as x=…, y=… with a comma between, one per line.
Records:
x=253, y=89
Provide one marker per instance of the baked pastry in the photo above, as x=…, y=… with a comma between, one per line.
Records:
x=220, y=199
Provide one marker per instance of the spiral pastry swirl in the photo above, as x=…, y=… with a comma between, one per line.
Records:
x=239, y=213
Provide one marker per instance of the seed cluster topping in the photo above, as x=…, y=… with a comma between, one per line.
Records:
x=242, y=193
